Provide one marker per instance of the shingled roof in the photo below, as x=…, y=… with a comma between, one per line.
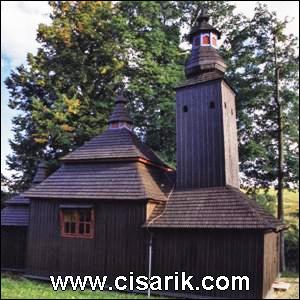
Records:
x=15, y=216
x=217, y=207
x=119, y=180
x=18, y=199
x=120, y=113
x=17, y=211
x=114, y=144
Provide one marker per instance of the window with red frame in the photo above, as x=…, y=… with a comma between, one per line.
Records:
x=77, y=222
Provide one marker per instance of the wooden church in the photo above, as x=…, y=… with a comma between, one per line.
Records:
x=113, y=197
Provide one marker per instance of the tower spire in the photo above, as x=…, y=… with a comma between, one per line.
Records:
x=120, y=118
x=41, y=173
x=204, y=58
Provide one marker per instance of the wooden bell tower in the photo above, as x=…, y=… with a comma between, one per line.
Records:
x=206, y=133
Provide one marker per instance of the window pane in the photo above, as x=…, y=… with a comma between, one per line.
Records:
x=73, y=227
x=69, y=215
x=67, y=227
x=77, y=222
x=81, y=228
x=85, y=215
x=87, y=228
x=88, y=216
x=81, y=215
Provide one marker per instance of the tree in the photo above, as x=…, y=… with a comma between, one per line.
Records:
x=4, y=190
x=251, y=70
x=92, y=49
x=264, y=68
x=157, y=65
x=65, y=92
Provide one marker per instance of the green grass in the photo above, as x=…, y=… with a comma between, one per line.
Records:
x=16, y=287
x=291, y=204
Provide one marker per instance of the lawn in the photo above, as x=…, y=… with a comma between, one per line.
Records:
x=291, y=205
x=16, y=287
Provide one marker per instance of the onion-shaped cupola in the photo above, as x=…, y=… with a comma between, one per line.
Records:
x=120, y=117
x=204, y=57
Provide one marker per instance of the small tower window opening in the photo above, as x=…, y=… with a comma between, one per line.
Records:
x=185, y=108
x=212, y=104
x=232, y=111
x=205, y=39
x=214, y=40
x=225, y=105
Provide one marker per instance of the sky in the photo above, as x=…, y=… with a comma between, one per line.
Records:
x=19, y=22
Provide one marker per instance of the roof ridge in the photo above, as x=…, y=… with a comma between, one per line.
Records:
x=146, y=183
x=141, y=180
x=165, y=204
x=115, y=143
x=136, y=141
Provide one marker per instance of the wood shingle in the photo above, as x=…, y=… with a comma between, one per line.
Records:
x=114, y=144
x=216, y=207
x=119, y=180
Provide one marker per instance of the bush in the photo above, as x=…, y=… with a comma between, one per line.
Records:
x=292, y=248
x=267, y=201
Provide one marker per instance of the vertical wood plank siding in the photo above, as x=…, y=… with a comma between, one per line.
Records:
x=214, y=253
x=271, y=260
x=199, y=136
x=230, y=137
x=119, y=245
x=13, y=245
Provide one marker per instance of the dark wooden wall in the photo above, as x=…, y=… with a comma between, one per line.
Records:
x=271, y=260
x=119, y=245
x=206, y=136
x=211, y=252
x=230, y=136
x=199, y=136
x=13, y=246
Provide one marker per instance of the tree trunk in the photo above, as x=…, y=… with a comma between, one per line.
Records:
x=280, y=209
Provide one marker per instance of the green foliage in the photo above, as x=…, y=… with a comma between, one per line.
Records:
x=90, y=50
x=292, y=247
x=267, y=201
x=250, y=54
x=65, y=92
x=93, y=48
x=5, y=195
